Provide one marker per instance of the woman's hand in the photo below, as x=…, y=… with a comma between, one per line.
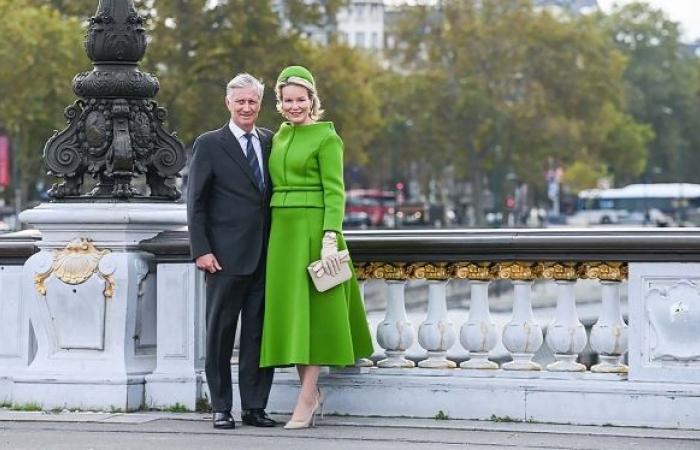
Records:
x=330, y=259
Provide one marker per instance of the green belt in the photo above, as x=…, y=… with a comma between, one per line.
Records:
x=297, y=189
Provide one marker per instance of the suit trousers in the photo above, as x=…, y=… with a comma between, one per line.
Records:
x=227, y=297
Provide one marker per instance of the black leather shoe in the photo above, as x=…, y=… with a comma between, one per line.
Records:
x=257, y=418
x=223, y=419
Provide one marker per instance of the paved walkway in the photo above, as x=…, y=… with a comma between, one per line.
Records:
x=180, y=431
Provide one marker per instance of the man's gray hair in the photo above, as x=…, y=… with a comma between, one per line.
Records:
x=245, y=80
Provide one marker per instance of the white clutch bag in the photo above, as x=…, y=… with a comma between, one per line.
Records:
x=323, y=281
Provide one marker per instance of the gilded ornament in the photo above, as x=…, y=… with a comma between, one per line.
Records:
x=605, y=271
x=429, y=271
x=386, y=271
x=473, y=271
x=362, y=271
x=558, y=270
x=518, y=270
x=74, y=265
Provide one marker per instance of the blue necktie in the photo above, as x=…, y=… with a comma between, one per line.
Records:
x=253, y=162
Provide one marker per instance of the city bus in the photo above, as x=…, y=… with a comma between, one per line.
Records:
x=660, y=204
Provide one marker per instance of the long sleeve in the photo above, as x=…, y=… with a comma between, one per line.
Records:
x=199, y=181
x=330, y=158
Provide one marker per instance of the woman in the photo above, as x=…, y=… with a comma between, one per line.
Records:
x=302, y=326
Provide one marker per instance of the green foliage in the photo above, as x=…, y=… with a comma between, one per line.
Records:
x=463, y=89
x=25, y=407
x=581, y=175
x=176, y=408
x=441, y=415
x=196, y=50
x=662, y=87
x=497, y=97
x=39, y=51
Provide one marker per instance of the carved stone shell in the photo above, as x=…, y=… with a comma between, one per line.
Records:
x=77, y=262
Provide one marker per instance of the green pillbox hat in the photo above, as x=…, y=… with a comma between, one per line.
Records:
x=296, y=71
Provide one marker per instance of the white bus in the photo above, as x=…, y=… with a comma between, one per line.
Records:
x=660, y=204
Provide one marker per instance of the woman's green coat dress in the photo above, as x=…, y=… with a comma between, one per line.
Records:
x=303, y=326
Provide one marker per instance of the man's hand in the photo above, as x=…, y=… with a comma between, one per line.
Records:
x=208, y=263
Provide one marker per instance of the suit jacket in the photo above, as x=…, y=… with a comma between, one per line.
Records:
x=227, y=215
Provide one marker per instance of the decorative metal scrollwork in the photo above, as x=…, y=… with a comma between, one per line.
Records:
x=115, y=131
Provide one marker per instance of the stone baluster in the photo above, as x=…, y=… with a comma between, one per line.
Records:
x=395, y=334
x=478, y=334
x=522, y=336
x=361, y=272
x=566, y=335
x=436, y=334
x=609, y=334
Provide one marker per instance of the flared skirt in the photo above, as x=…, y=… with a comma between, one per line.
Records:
x=302, y=325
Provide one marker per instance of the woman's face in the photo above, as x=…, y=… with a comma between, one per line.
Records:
x=296, y=104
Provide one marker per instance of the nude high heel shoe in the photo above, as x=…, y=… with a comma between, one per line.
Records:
x=308, y=422
x=321, y=399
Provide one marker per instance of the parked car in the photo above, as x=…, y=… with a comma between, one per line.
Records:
x=377, y=205
x=357, y=219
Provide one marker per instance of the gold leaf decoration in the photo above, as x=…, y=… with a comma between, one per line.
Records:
x=110, y=285
x=473, y=271
x=387, y=271
x=429, y=271
x=558, y=270
x=518, y=270
x=361, y=271
x=605, y=271
x=74, y=265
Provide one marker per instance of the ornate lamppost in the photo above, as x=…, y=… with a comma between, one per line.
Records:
x=115, y=130
x=90, y=292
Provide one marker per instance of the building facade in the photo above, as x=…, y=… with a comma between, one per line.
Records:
x=360, y=24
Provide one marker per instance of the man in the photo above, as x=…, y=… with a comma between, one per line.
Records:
x=228, y=212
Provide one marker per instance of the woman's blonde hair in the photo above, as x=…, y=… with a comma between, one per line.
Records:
x=316, y=111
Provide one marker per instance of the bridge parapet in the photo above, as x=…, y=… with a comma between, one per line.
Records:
x=647, y=372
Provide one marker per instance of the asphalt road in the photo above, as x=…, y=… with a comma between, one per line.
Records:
x=84, y=431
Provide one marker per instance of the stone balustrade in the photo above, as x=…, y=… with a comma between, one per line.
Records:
x=522, y=336
x=647, y=370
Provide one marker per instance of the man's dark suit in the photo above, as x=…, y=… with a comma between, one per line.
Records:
x=229, y=217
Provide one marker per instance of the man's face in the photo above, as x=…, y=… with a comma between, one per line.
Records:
x=244, y=105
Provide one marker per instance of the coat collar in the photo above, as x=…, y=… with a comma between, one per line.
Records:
x=232, y=148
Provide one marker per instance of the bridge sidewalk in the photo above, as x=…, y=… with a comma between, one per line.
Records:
x=179, y=431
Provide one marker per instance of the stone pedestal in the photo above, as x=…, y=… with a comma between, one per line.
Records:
x=91, y=299
x=181, y=346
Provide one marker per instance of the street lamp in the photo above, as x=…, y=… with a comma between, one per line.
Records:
x=115, y=130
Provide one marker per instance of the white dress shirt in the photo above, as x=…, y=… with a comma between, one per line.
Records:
x=240, y=135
